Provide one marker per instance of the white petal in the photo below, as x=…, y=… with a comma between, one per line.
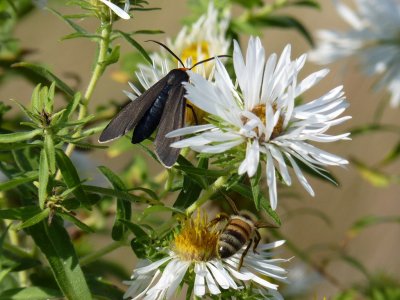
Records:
x=117, y=10
x=271, y=181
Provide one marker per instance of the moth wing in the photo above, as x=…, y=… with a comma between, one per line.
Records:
x=172, y=118
x=128, y=117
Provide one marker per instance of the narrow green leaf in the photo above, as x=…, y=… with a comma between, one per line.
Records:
x=284, y=22
x=112, y=193
x=255, y=188
x=184, y=165
x=54, y=241
x=72, y=106
x=49, y=149
x=135, y=229
x=75, y=221
x=368, y=221
x=43, y=178
x=73, y=25
x=75, y=35
x=32, y=116
x=308, y=3
x=135, y=44
x=35, y=99
x=71, y=177
x=19, y=136
x=47, y=75
x=18, y=180
x=124, y=210
x=161, y=208
x=20, y=213
x=190, y=189
x=113, y=57
x=30, y=293
x=49, y=100
x=149, y=192
x=34, y=220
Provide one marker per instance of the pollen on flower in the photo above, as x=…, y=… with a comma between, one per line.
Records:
x=194, y=50
x=197, y=241
x=260, y=111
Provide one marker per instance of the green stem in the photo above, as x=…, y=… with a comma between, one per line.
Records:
x=217, y=185
x=88, y=259
x=97, y=72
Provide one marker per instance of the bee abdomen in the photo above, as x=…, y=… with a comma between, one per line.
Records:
x=233, y=238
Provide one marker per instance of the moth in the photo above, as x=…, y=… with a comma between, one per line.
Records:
x=162, y=105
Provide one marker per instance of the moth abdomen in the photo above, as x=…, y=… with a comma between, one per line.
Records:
x=151, y=118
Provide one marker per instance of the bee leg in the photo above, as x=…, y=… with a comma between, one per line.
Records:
x=220, y=217
x=257, y=239
x=244, y=254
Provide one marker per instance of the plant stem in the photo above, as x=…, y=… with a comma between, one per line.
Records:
x=99, y=253
x=96, y=74
x=212, y=189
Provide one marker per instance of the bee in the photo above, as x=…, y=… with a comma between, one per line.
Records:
x=240, y=228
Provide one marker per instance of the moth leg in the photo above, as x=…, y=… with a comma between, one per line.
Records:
x=193, y=112
x=244, y=254
x=257, y=239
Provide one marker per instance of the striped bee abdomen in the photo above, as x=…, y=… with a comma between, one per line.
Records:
x=234, y=236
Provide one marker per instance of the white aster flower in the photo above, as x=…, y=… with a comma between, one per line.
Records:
x=204, y=39
x=194, y=252
x=122, y=13
x=374, y=37
x=262, y=116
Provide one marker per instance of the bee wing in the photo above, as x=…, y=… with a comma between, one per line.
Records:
x=128, y=117
x=172, y=118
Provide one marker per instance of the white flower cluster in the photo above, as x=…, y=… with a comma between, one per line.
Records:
x=374, y=37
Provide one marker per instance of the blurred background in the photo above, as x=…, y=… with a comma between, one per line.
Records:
x=314, y=225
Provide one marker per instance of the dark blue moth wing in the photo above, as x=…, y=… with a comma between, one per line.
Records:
x=172, y=118
x=131, y=114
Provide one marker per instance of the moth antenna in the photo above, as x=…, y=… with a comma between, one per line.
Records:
x=169, y=50
x=208, y=59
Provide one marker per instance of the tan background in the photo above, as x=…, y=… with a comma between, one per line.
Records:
x=377, y=247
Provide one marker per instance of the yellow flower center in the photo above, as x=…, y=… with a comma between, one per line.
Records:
x=194, y=51
x=259, y=111
x=196, y=241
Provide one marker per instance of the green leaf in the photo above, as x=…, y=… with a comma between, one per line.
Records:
x=50, y=152
x=71, y=177
x=161, y=208
x=102, y=289
x=43, y=178
x=20, y=213
x=190, y=189
x=124, y=210
x=373, y=176
x=112, y=193
x=307, y=3
x=49, y=99
x=30, y=293
x=75, y=221
x=246, y=192
x=186, y=165
x=73, y=25
x=249, y=3
x=47, y=75
x=54, y=242
x=135, y=229
x=283, y=22
x=75, y=35
x=113, y=57
x=368, y=221
x=255, y=188
x=18, y=180
x=35, y=99
x=72, y=106
x=34, y=220
x=135, y=44
x=19, y=136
